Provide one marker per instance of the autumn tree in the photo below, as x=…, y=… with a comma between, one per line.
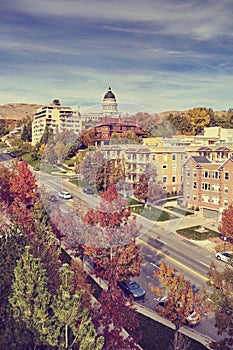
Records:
x=147, y=188
x=181, y=123
x=180, y=298
x=220, y=300
x=87, y=138
x=115, y=316
x=226, y=226
x=199, y=117
x=91, y=165
x=115, y=256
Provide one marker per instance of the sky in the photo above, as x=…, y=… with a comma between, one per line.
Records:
x=156, y=55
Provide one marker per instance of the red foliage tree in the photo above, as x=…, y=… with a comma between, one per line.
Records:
x=116, y=257
x=115, y=316
x=226, y=227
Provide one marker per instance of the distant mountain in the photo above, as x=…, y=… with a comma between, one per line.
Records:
x=18, y=110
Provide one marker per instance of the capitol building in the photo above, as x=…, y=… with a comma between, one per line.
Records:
x=58, y=117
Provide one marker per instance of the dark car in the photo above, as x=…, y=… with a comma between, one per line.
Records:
x=36, y=168
x=12, y=155
x=53, y=198
x=132, y=288
x=88, y=191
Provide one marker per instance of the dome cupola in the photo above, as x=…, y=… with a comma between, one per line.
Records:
x=109, y=103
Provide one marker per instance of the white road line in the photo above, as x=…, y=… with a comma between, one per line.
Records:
x=155, y=265
x=204, y=264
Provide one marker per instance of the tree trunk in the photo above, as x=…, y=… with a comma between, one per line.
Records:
x=175, y=343
x=66, y=335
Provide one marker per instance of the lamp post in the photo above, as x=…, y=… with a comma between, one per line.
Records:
x=224, y=239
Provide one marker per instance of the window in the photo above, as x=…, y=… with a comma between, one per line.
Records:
x=215, y=174
x=205, y=199
x=226, y=175
x=194, y=173
x=173, y=157
x=194, y=197
x=188, y=172
x=225, y=202
x=164, y=179
x=173, y=179
x=194, y=184
x=165, y=157
x=215, y=200
x=164, y=166
x=225, y=189
x=206, y=174
x=215, y=187
x=206, y=186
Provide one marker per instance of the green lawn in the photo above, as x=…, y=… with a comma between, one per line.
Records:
x=153, y=214
x=178, y=210
x=193, y=233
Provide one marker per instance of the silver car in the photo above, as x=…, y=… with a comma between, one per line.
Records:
x=65, y=195
x=225, y=256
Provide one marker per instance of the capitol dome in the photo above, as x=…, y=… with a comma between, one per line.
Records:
x=109, y=94
x=109, y=103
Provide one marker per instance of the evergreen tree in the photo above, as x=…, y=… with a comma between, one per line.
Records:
x=70, y=317
x=13, y=334
x=24, y=133
x=30, y=299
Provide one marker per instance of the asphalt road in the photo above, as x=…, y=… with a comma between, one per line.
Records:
x=157, y=244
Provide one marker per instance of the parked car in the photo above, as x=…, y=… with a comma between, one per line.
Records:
x=36, y=168
x=225, y=256
x=192, y=320
x=88, y=191
x=64, y=195
x=12, y=155
x=132, y=288
x=53, y=198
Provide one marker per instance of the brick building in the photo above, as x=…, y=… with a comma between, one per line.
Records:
x=207, y=185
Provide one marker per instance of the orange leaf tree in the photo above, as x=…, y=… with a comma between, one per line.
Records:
x=226, y=227
x=221, y=303
x=181, y=299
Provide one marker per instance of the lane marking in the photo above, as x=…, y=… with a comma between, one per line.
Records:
x=173, y=260
x=154, y=265
x=204, y=264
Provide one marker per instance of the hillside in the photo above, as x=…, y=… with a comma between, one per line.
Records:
x=17, y=110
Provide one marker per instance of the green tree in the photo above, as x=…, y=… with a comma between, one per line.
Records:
x=71, y=319
x=13, y=334
x=181, y=123
x=30, y=299
x=24, y=133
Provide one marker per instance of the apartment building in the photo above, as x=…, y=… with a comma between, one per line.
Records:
x=136, y=157
x=56, y=117
x=207, y=185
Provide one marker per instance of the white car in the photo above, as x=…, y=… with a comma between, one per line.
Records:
x=225, y=256
x=192, y=320
x=64, y=195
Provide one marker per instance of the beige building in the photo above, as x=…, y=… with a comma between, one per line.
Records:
x=56, y=117
x=167, y=162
